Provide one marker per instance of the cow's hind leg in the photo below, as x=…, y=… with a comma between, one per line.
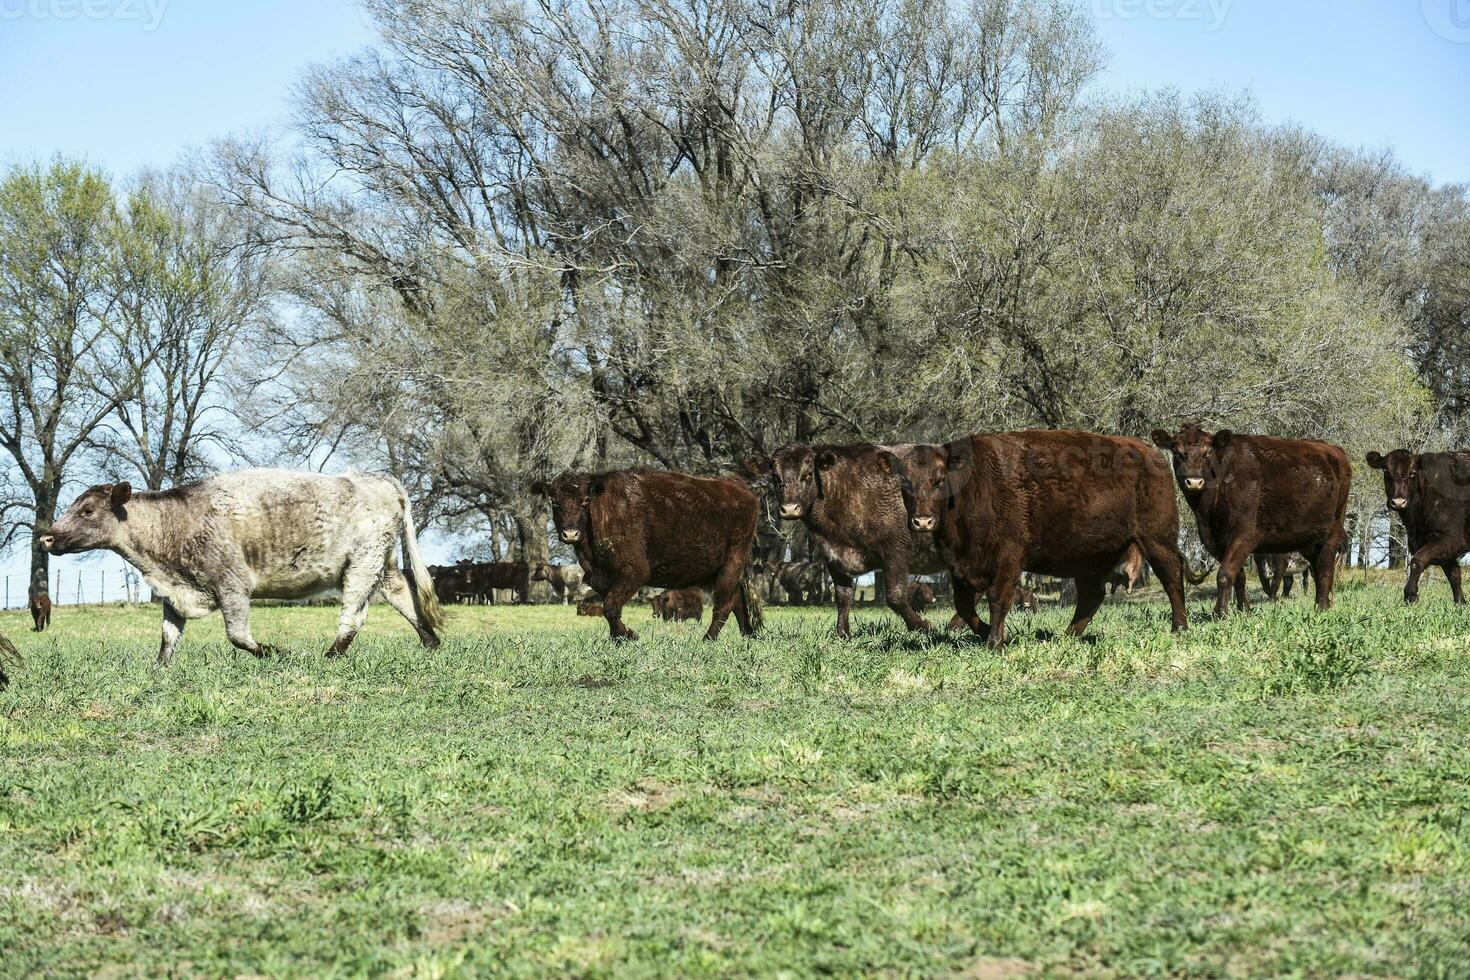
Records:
x=1168, y=564
x=727, y=587
x=617, y=596
x=395, y=589
x=1090, y=594
x=173, y=630
x=842, y=582
x=236, y=611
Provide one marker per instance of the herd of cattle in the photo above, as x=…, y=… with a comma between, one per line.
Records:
x=986, y=508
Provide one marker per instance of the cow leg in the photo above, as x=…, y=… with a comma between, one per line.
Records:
x=843, y=583
x=358, y=587
x=1285, y=577
x=1090, y=594
x=964, y=610
x=236, y=611
x=395, y=588
x=896, y=579
x=1324, y=567
x=1232, y=565
x=727, y=588
x=1242, y=598
x=1451, y=569
x=742, y=613
x=1263, y=572
x=1001, y=594
x=1168, y=564
x=617, y=596
x=173, y=631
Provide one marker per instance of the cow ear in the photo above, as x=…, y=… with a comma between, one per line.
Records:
x=757, y=465
x=1375, y=460
x=1162, y=439
x=826, y=459
x=1221, y=439
x=596, y=487
x=120, y=494
x=540, y=489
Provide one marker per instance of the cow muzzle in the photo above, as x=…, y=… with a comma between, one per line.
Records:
x=571, y=535
x=1194, y=483
x=790, y=512
x=48, y=541
x=922, y=523
x=1399, y=503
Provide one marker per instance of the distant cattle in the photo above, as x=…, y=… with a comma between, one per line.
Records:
x=679, y=604
x=476, y=581
x=589, y=607
x=1278, y=573
x=1258, y=493
x=1060, y=503
x=452, y=582
x=921, y=596
x=850, y=500
x=1129, y=573
x=632, y=528
x=564, y=580
x=804, y=582
x=40, y=610
x=1431, y=494
x=274, y=534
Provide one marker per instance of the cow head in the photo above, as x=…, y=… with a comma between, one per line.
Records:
x=571, y=500
x=1400, y=472
x=1196, y=455
x=924, y=476
x=94, y=520
x=541, y=572
x=797, y=473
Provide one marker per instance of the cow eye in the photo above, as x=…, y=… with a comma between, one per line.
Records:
x=88, y=512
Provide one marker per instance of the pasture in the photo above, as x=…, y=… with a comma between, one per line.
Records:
x=1284, y=792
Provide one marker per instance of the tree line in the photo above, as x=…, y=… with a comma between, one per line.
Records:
x=528, y=235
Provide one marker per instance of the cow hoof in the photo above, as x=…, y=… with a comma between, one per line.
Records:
x=264, y=650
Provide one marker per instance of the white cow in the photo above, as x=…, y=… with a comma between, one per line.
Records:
x=269, y=534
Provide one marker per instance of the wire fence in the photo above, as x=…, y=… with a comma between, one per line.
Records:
x=77, y=588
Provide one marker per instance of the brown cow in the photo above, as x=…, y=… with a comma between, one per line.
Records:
x=40, y=609
x=1060, y=503
x=1259, y=493
x=632, y=528
x=802, y=581
x=1278, y=573
x=850, y=500
x=589, y=607
x=679, y=604
x=512, y=575
x=452, y=582
x=1431, y=493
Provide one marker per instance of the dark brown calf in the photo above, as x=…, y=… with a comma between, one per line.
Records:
x=1431, y=494
x=1065, y=504
x=679, y=604
x=632, y=528
x=802, y=581
x=921, y=596
x=1259, y=493
x=40, y=609
x=850, y=500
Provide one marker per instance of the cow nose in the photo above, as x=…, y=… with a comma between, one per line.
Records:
x=923, y=523
x=790, y=512
x=47, y=541
x=571, y=536
x=1194, y=483
x=1399, y=503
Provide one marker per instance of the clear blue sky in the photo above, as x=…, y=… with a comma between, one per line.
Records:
x=134, y=83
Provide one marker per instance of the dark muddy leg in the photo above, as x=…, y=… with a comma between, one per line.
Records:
x=1090, y=593
x=843, y=584
x=1451, y=570
x=727, y=588
x=964, y=610
x=1232, y=565
x=897, y=582
x=1324, y=568
x=1000, y=596
x=617, y=596
x=173, y=631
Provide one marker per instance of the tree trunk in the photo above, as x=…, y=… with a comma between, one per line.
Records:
x=1397, y=556
x=530, y=523
x=40, y=559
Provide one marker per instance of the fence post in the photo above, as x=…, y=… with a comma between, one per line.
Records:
x=79, y=588
x=7, y=592
x=102, y=585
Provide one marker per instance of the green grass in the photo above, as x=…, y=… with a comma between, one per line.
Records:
x=1282, y=793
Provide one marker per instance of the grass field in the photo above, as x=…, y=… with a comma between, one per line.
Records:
x=1279, y=793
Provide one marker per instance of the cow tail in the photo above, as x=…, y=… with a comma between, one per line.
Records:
x=754, y=608
x=420, y=584
x=1195, y=578
x=9, y=655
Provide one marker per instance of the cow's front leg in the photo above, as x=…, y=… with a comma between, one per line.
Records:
x=1232, y=565
x=1001, y=595
x=236, y=611
x=617, y=596
x=896, y=579
x=173, y=631
x=965, y=613
x=842, y=582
